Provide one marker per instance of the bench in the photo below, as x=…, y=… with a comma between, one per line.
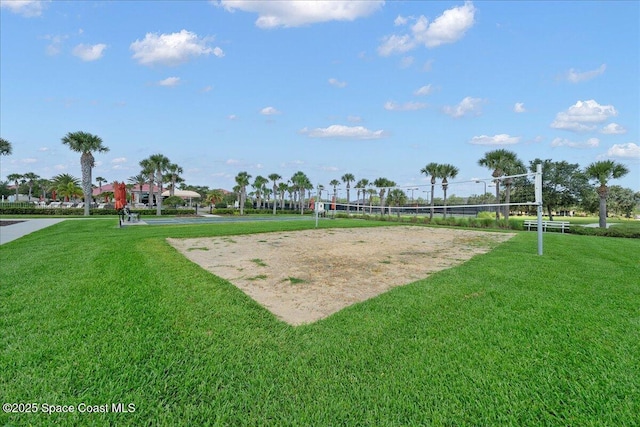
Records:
x=557, y=225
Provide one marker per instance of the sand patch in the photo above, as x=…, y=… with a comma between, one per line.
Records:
x=304, y=276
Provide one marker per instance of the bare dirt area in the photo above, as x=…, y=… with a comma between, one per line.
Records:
x=304, y=276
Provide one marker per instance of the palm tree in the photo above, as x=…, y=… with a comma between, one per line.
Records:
x=242, y=179
x=361, y=185
x=15, y=177
x=100, y=180
x=5, y=147
x=31, y=180
x=301, y=183
x=174, y=172
x=500, y=161
x=154, y=168
x=274, y=177
x=45, y=185
x=85, y=143
x=283, y=187
x=139, y=180
x=69, y=189
x=397, y=197
x=383, y=184
x=334, y=183
x=215, y=196
x=446, y=171
x=258, y=184
x=431, y=169
x=348, y=178
x=602, y=172
x=372, y=192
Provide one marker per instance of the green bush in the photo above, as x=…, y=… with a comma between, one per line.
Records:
x=615, y=231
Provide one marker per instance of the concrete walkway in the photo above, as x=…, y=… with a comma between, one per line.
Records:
x=12, y=232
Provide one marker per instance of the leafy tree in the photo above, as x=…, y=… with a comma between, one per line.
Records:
x=215, y=196
x=242, y=180
x=397, y=197
x=348, y=178
x=174, y=201
x=334, y=183
x=65, y=183
x=446, y=171
x=283, y=187
x=621, y=201
x=301, y=183
x=148, y=171
x=87, y=144
x=5, y=147
x=138, y=180
x=431, y=169
x=602, y=172
x=562, y=184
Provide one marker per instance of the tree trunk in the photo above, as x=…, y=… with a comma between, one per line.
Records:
x=432, y=189
x=497, y=200
x=159, y=198
x=603, y=192
x=550, y=214
x=507, y=198
x=86, y=161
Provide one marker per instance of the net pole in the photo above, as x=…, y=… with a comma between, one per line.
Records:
x=538, y=191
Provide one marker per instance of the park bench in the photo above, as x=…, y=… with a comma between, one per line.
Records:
x=557, y=225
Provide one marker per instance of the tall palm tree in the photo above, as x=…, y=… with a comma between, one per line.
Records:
x=361, y=185
x=283, y=187
x=155, y=167
x=45, y=185
x=431, y=169
x=274, y=177
x=446, y=171
x=5, y=147
x=348, y=178
x=301, y=183
x=149, y=172
x=100, y=180
x=499, y=161
x=173, y=172
x=16, y=178
x=87, y=144
x=602, y=172
x=334, y=183
x=31, y=179
x=383, y=185
x=242, y=179
x=258, y=185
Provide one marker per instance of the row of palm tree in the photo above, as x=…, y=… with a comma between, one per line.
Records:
x=502, y=163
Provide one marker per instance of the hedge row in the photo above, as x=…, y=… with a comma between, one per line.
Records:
x=80, y=211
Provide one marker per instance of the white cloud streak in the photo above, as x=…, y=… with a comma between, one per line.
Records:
x=562, y=142
x=170, y=82
x=269, y=111
x=467, y=106
x=407, y=106
x=629, y=150
x=424, y=90
x=519, y=107
x=613, y=129
x=500, y=139
x=341, y=131
x=171, y=49
x=274, y=14
x=26, y=8
x=337, y=83
x=88, y=52
x=578, y=77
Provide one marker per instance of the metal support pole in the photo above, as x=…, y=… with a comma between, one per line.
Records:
x=538, y=191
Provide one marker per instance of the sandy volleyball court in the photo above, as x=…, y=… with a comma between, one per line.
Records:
x=304, y=276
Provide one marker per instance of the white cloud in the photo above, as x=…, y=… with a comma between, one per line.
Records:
x=562, y=142
x=613, y=129
x=55, y=47
x=400, y=20
x=341, y=131
x=88, y=52
x=269, y=111
x=424, y=90
x=171, y=49
x=232, y=117
x=273, y=14
x=519, y=107
x=406, y=61
x=500, y=139
x=170, y=81
x=468, y=105
x=26, y=8
x=119, y=160
x=576, y=77
x=447, y=28
x=337, y=83
x=407, y=106
x=207, y=89
x=232, y=162
x=583, y=116
x=629, y=150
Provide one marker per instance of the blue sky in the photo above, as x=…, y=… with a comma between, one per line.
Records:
x=372, y=88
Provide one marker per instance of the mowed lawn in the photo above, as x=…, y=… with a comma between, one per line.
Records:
x=93, y=314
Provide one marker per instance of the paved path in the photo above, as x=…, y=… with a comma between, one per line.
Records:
x=12, y=232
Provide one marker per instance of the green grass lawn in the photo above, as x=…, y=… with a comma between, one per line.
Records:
x=94, y=314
